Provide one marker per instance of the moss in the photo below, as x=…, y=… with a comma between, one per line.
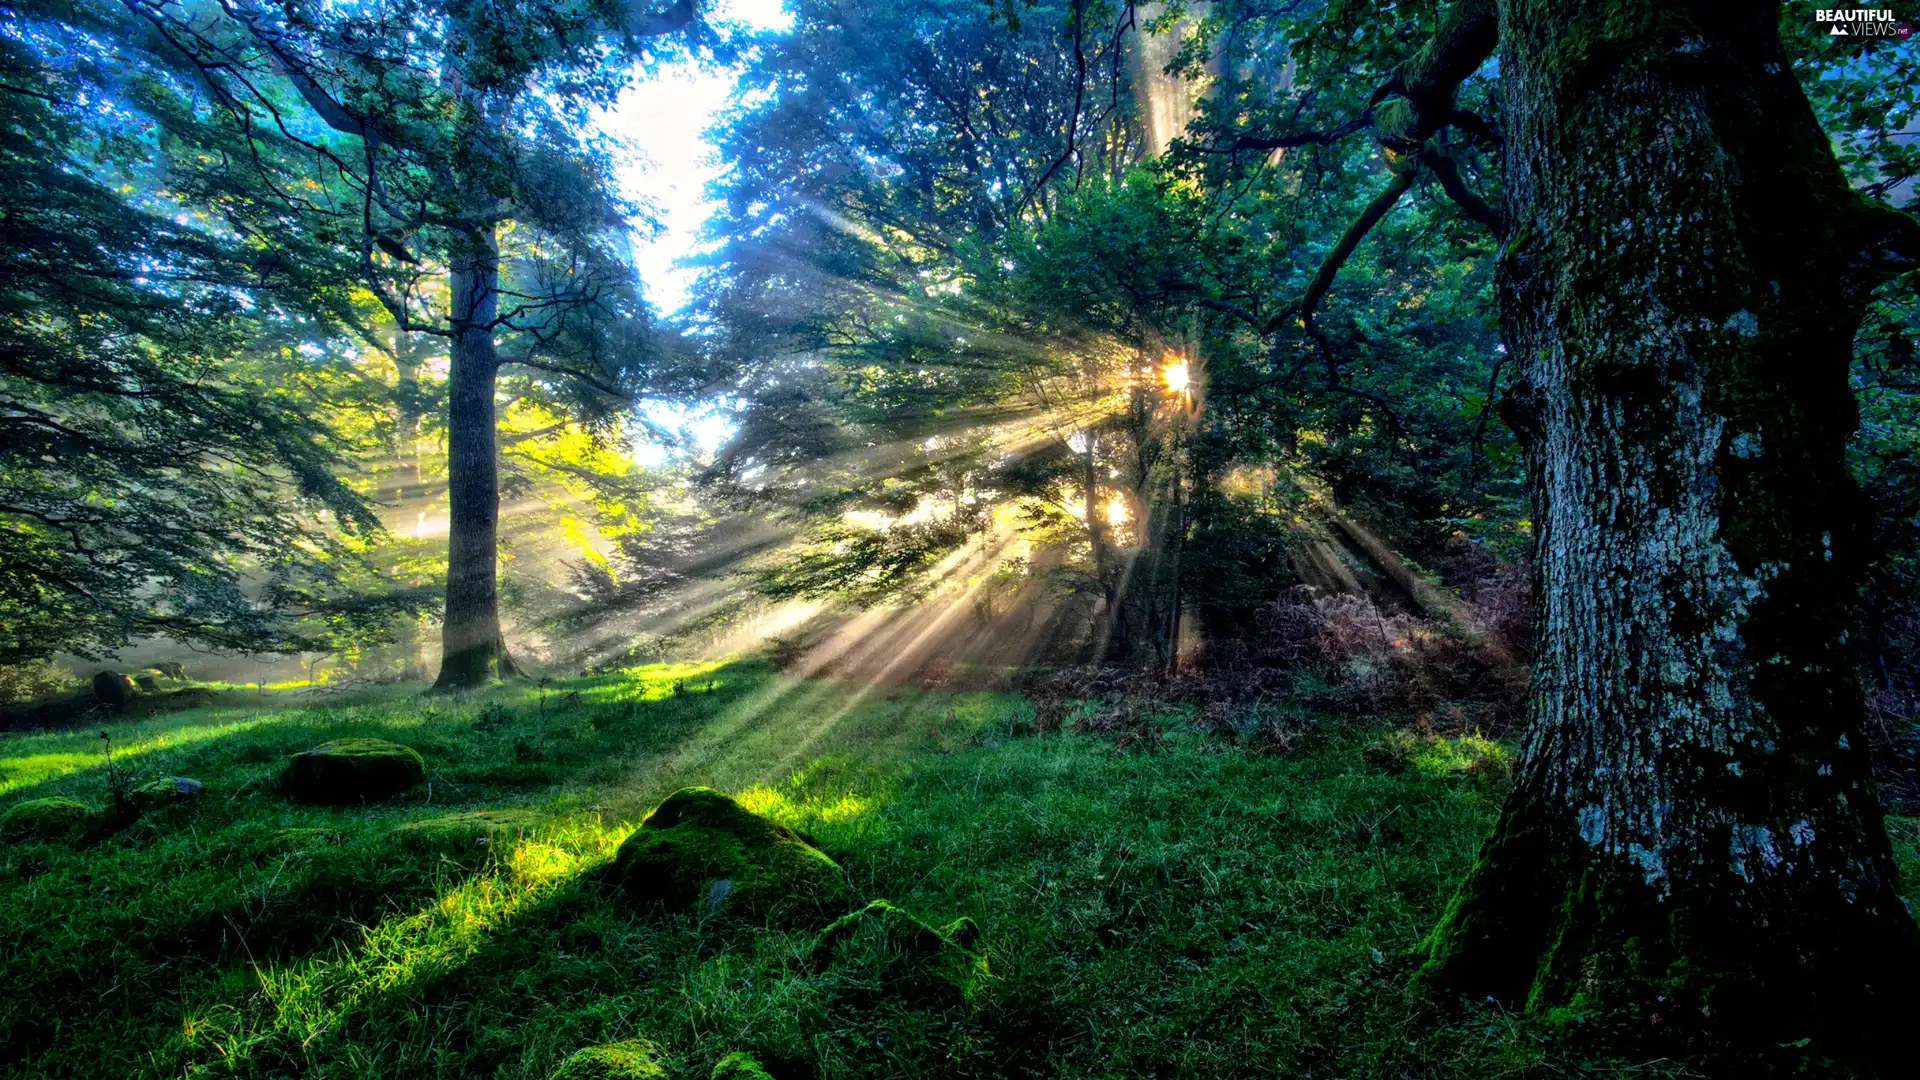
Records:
x=51, y=819
x=911, y=956
x=701, y=850
x=739, y=1065
x=164, y=792
x=352, y=770
x=631, y=1059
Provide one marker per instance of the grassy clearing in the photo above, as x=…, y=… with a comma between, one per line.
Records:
x=1192, y=910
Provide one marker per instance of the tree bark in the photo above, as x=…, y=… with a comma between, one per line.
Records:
x=1692, y=830
x=472, y=647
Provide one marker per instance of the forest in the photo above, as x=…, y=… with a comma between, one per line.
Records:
x=811, y=539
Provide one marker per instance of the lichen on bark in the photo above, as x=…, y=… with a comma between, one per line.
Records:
x=1692, y=829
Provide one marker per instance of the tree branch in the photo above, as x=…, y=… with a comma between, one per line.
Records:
x=1890, y=240
x=588, y=378
x=1447, y=171
x=1073, y=117
x=1424, y=88
x=1349, y=241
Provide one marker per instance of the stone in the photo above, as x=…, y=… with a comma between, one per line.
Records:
x=148, y=684
x=53, y=820
x=164, y=792
x=347, y=771
x=702, y=851
x=113, y=689
x=632, y=1059
x=907, y=955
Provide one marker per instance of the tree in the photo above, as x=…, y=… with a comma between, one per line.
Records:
x=167, y=467
x=454, y=132
x=1692, y=829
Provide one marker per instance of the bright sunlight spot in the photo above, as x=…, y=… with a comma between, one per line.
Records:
x=1174, y=375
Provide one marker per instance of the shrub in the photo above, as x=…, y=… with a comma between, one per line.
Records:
x=32, y=681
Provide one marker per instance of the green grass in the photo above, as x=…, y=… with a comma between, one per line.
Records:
x=1194, y=909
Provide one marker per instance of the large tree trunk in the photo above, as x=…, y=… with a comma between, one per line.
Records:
x=472, y=648
x=1692, y=830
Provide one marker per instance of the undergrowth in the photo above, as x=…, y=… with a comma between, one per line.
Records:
x=1197, y=903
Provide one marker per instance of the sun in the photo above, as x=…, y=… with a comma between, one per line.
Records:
x=1174, y=374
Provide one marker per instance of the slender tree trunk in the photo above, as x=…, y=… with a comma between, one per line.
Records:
x=406, y=364
x=1692, y=830
x=472, y=648
x=1103, y=571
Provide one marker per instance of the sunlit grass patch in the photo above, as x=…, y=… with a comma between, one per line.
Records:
x=651, y=682
x=312, y=998
x=829, y=792
x=24, y=764
x=1443, y=756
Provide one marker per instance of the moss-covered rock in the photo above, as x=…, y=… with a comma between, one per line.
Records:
x=52, y=820
x=348, y=771
x=702, y=851
x=165, y=792
x=113, y=689
x=906, y=954
x=739, y=1065
x=633, y=1059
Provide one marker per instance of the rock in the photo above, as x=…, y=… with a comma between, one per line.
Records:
x=113, y=689
x=53, y=820
x=739, y=1065
x=700, y=850
x=164, y=792
x=348, y=771
x=632, y=1059
x=148, y=684
x=906, y=954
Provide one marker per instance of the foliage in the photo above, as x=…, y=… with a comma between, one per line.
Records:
x=171, y=467
x=935, y=358
x=33, y=680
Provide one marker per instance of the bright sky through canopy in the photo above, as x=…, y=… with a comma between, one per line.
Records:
x=666, y=117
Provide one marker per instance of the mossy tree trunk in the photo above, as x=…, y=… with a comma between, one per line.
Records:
x=1692, y=828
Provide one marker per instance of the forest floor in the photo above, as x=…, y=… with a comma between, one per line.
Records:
x=1188, y=905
